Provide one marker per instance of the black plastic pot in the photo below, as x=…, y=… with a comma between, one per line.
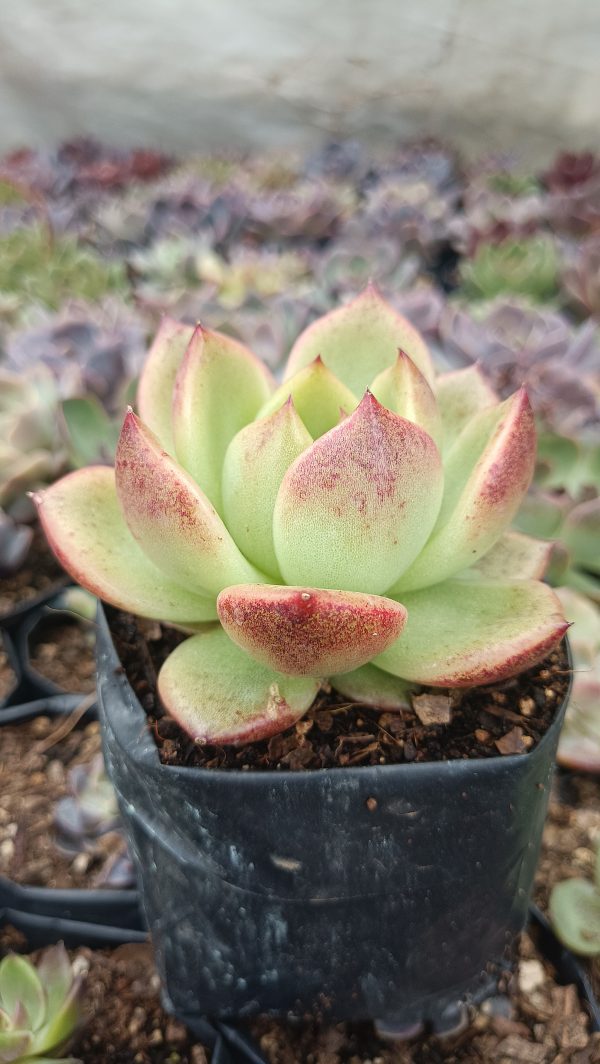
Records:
x=393, y=893
x=32, y=693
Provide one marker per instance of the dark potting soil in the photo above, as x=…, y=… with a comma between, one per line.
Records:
x=505, y=718
x=35, y=761
x=63, y=651
x=40, y=571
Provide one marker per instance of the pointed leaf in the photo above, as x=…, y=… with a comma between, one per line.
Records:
x=318, y=397
x=56, y=975
x=404, y=390
x=220, y=387
x=305, y=631
x=14, y=1045
x=581, y=534
x=61, y=1023
x=157, y=380
x=172, y=520
x=461, y=633
x=354, y=510
x=255, y=463
x=218, y=694
x=513, y=557
x=486, y=474
x=81, y=517
x=358, y=341
x=575, y=915
x=461, y=395
x=373, y=687
x=21, y=990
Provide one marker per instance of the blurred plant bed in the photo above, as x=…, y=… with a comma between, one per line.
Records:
x=61, y=650
x=38, y=573
x=58, y=816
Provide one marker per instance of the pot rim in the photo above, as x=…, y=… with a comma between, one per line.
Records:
x=144, y=751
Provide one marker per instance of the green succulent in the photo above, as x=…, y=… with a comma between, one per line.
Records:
x=35, y=268
x=528, y=267
x=579, y=745
x=575, y=913
x=32, y=452
x=348, y=526
x=39, y=1007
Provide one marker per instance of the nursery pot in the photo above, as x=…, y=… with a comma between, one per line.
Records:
x=392, y=892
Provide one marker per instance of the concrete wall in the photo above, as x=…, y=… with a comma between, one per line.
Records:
x=182, y=74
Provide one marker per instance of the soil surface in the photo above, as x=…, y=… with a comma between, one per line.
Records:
x=62, y=651
x=493, y=721
x=34, y=775
x=40, y=571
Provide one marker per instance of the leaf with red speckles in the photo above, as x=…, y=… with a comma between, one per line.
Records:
x=81, y=517
x=306, y=631
x=461, y=395
x=462, y=633
x=219, y=388
x=359, y=340
x=157, y=380
x=515, y=556
x=486, y=474
x=373, y=687
x=355, y=509
x=171, y=519
x=220, y=695
x=403, y=389
x=318, y=397
x=255, y=463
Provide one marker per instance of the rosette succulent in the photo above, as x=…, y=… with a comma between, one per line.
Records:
x=527, y=267
x=39, y=1007
x=345, y=526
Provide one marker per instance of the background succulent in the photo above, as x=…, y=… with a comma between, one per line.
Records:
x=581, y=276
x=524, y=267
x=575, y=913
x=312, y=522
x=39, y=1007
x=579, y=744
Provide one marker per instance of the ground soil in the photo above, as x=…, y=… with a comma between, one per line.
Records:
x=39, y=573
x=34, y=775
x=505, y=718
x=63, y=651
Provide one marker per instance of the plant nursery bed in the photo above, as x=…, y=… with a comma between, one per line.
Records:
x=63, y=651
x=505, y=718
x=34, y=768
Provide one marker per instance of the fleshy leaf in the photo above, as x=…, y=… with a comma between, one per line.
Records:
x=461, y=395
x=220, y=695
x=56, y=975
x=255, y=463
x=305, y=631
x=14, y=1045
x=359, y=340
x=21, y=990
x=581, y=534
x=486, y=474
x=62, y=1022
x=575, y=915
x=514, y=557
x=172, y=520
x=373, y=687
x=81, y=517
x=354, y=510
x=404, y=390
x=462, y=633
x=219, y=388
x=318, y=397
x=541, y=514
x=157, y=380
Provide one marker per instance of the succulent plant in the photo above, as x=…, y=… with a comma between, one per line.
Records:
x=564, y=506
x=317, y=521
x=31, y=449
x=575, y=913
x=581, y=276
x=90, y=349
x=15, y=541
x=574, y=193
x=497, y=205
x=310, y=210
x=409, y=212
x=90, y=811
x=527, y=267
x=515, y=343
x=39, y=1007
x=359, y=255
x=35, y=269
x=579, y=744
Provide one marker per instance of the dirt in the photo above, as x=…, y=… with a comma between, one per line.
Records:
x=63, y=651
x=34, y=775
x=8, y=678
x=39, y=573
x=505, y=718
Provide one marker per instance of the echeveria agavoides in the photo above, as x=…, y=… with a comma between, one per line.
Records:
x=348, y=526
